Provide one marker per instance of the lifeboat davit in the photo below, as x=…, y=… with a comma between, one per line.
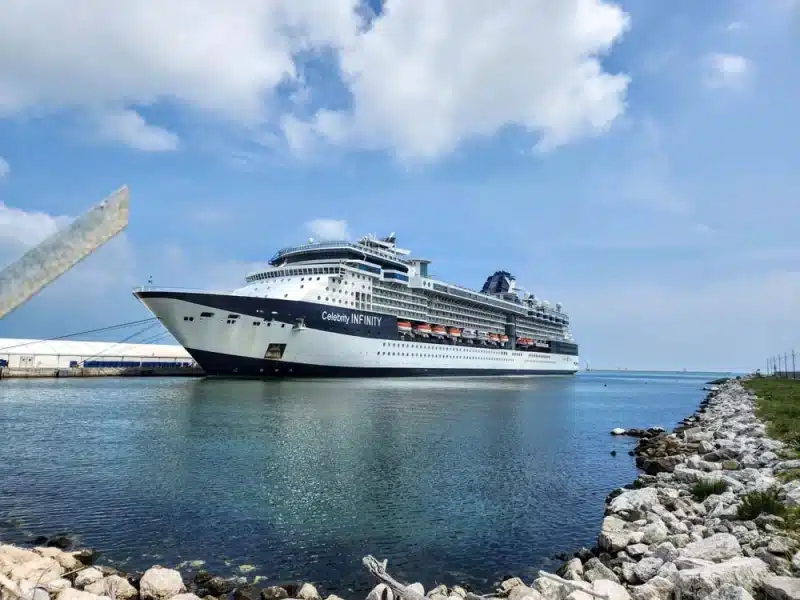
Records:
x=454, y=332
x=404, y=327
x=438, y=330
x=422, y=328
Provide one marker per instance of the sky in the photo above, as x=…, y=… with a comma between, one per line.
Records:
x=637, y=161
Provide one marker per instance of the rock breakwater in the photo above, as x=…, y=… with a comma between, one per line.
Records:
x=712, y=516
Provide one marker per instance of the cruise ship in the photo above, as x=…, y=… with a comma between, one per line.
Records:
x=365, y=309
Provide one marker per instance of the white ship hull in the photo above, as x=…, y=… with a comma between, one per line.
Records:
x=266, y=337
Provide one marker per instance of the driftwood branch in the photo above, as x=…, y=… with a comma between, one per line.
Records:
x=378, y=570
x=575, y=585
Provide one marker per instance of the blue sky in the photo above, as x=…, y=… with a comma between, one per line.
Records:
x=636, y=161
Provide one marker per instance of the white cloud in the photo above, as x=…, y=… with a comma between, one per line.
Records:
x=91, y=282
x=430, y=75
x=425, y=76
x=5, y=168
x=728, y=70
x=328, y=229
x=130, y=128
x=216, y=56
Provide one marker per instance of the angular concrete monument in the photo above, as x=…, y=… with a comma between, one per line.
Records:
x=46, y=262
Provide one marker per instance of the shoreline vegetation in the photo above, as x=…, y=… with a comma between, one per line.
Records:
x=714, y=514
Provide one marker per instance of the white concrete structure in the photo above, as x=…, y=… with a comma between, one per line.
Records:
x=46, y=262
x=63, y=354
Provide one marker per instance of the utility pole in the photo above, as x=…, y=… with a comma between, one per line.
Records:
x=786, y=364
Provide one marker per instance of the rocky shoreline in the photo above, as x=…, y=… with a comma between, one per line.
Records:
x=700, y=522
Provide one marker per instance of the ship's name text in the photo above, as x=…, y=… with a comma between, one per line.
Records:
x=354, y=318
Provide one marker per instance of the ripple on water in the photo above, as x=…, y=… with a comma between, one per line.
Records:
x=467, y=479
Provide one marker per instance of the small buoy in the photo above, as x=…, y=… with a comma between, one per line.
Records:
x=613, y=453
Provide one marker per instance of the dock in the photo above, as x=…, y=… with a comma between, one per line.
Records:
x=39, y=373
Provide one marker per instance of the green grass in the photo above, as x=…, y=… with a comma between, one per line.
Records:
x=778, y=406
x=787, y=476
x=757, y=503
x=708, y=487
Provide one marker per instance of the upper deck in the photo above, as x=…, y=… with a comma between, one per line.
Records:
x=384, y=254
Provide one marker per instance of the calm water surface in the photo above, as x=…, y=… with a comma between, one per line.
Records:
x=451, y=480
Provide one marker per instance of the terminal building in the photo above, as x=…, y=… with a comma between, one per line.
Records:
x=69, y=354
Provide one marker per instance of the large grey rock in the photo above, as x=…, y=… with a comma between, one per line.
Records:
x=613, y=535
x=87, y=577
x=73, y=594
x=98, y=588
x=634, y=502
x=159, y=583
x=792, y=493
x=780, y=545
x=717, y=548
x=696, y=584
x=523, y=592
x=647, y=568
x=594, y=570
x=796, y=563
x=636, y=550
x=787, y=465
x=551, y=590
x=308, y=592
x=610, y=589
x=40, y=568
x=119, y=588
x=782, y=588
x=572, y=570
x=658, y=588
x=666, y=551
x=668, y=571
x=777, y=564
x=655, y=533
x=729, y=592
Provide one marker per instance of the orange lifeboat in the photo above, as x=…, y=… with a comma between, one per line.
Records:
x=404, y=327
x=439, y=330
x=493, y=337
x=422, y=328
x=454, y=332
x=504, y=338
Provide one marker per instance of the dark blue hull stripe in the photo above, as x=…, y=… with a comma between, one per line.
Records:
x=360, y=323
x=228, y=365
x=345, y=321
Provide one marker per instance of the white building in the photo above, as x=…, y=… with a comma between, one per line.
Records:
x=64, y=354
